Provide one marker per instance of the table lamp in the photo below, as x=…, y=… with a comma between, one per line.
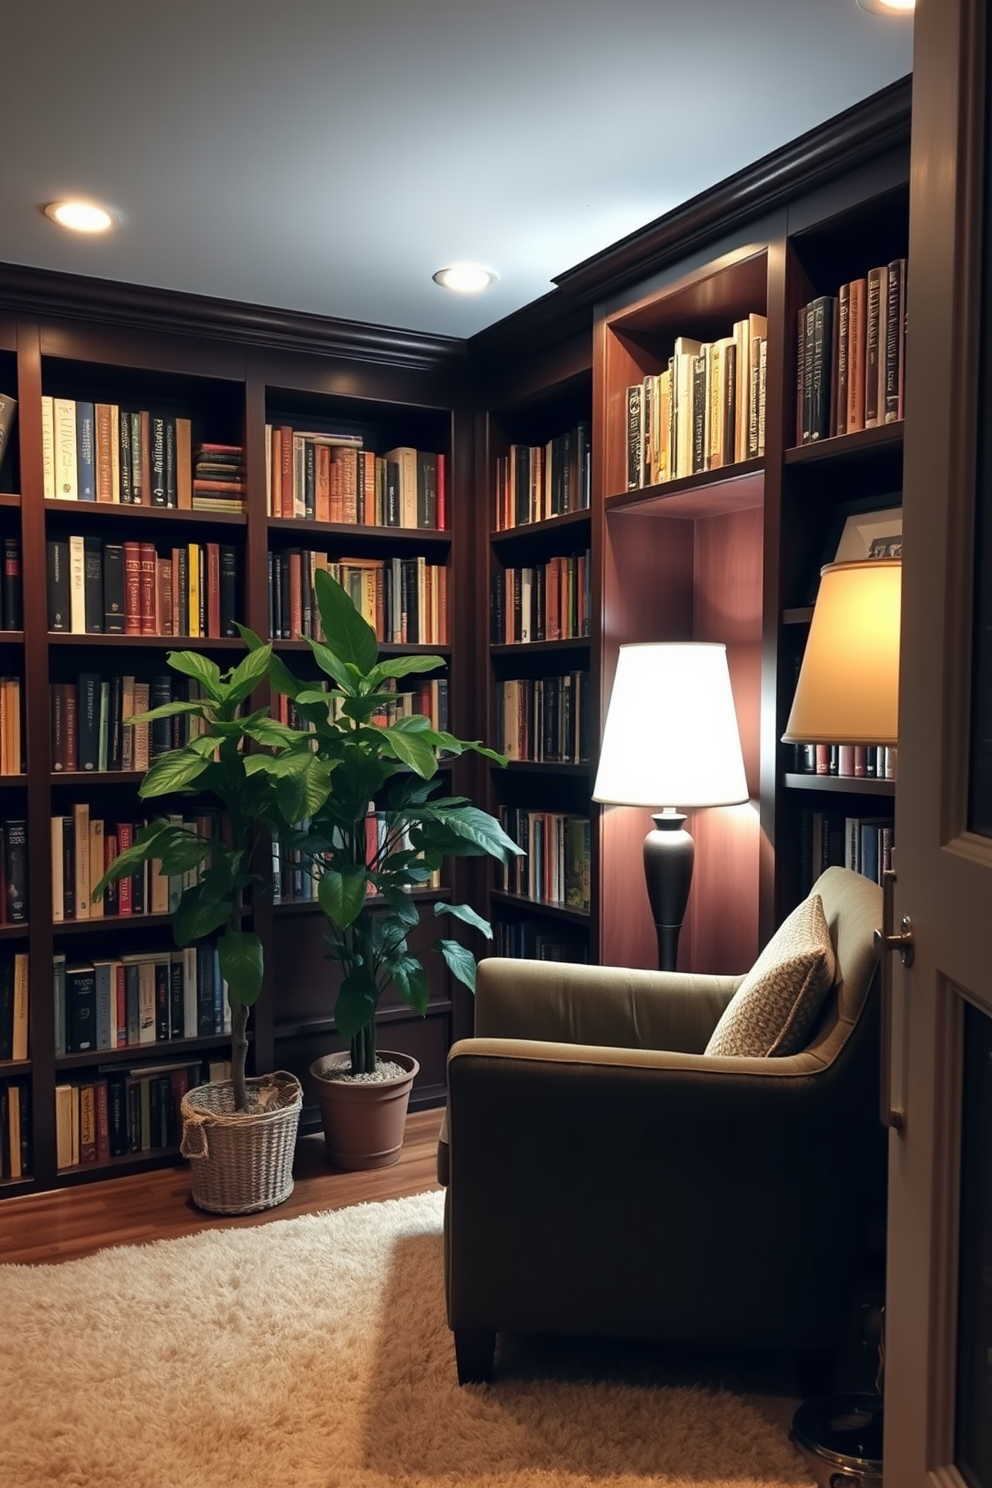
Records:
x=671, y=740
x=848, y=688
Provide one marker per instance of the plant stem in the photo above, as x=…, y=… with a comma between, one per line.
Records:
x=239, y=1053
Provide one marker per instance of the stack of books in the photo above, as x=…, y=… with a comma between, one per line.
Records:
x=219, y=478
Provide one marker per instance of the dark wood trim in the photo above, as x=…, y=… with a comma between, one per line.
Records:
x=142, y=309
x=850, y=139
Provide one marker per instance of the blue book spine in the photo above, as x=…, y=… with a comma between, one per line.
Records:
x=85, y=447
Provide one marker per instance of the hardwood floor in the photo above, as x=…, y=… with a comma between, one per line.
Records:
x=65, y=1223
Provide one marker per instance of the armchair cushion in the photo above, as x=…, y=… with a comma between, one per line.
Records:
x=777, y=1003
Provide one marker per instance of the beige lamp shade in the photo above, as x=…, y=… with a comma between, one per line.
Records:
x=671, y=736
x=848, y=689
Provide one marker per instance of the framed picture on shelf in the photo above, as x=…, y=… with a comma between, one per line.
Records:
x=869, y=532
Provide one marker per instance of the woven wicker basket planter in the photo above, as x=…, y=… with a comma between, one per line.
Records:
x=242, y=1161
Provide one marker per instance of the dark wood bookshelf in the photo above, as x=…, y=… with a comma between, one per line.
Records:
x=850, y=785
x=730, y=555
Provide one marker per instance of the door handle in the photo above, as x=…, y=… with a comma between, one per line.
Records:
x=888, y=940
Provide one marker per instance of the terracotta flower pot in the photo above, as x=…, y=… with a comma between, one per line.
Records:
x=363, y=1120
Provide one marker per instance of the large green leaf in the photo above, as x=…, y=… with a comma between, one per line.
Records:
x=356, y=1002
x=410, y=981
x=248, y=674
x=461, y=963
x=477, y=827
x=342, y=895
x=467, y=915
x=198, y=915
x=351, y=636
x=240, y=955
x=178, y=768
x=302, y=793
x=411, y=749
x=194, y=664
x=282, y=678
x=403, y=907
x=142, y=848
x=168, y=710
x=403, y=666
x=181, y=848
x=273, y=734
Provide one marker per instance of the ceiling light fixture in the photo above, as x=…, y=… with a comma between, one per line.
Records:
x=464, y=278
x=888, y=7
x=80, y=216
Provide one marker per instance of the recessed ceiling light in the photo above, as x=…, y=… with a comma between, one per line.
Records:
x=464, y=278
x=888, y=7
x=80, y=216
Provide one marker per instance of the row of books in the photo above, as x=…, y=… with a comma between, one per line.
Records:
x=98, y=587
x=120, y=1110
x=15, y=1129
x=544, y=718
x=13, y=872
x=851, y=356
x=428, y=696
x=405, y=600
x=88, y=729
x=538, y=940
x=11, y=585
x=12, y=760
x=14, y=1005
x=704, y=410
x=324, y=477
x=538, y=481
x=863, y=843
x=149, y=997
x=95, y=451
x=8, y=413
x=540, y=602
x=293, y=881
x=554, y=868
x=853, y=761
x=84, y=846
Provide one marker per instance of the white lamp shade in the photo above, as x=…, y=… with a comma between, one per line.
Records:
x=848, y=688
x=671, y=735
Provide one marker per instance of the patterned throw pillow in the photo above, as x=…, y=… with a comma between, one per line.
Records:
x=776, y=1004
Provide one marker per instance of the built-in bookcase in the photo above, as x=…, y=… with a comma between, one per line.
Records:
x=540, y=630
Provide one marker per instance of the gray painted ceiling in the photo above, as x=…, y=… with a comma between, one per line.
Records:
x=328, y=158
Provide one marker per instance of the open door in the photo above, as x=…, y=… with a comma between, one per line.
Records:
x=938, y=1333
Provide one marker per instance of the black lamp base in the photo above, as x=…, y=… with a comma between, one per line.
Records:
x=669, y=854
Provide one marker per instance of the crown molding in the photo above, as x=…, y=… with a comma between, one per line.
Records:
x=42, y=292
x=868, y=130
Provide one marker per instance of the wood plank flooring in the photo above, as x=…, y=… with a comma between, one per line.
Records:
x=65, y=1223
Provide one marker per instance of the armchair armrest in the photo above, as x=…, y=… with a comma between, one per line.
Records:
x=561, y=1002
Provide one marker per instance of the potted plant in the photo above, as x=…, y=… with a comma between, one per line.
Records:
x=379, y=833
x=239, y=1134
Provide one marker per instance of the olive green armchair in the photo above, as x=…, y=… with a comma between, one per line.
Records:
x=607, y=1177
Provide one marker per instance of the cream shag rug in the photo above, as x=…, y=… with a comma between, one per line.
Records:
x=314, y=1353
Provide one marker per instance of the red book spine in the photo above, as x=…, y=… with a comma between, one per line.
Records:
x=148, y=572
x=102, y=1121
x=125, y=838
x=442, y=492
x=213, y=590
x=132, y=588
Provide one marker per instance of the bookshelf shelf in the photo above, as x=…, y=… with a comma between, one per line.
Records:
x=142, y=1056
x=849, y=785
x=77, y=778
x=737, y=488
x=14, y=932
x=157, y=642
x=548, y=907
x=110, y=924
x=845, y=447
x=116, y=511
x=9, y=498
